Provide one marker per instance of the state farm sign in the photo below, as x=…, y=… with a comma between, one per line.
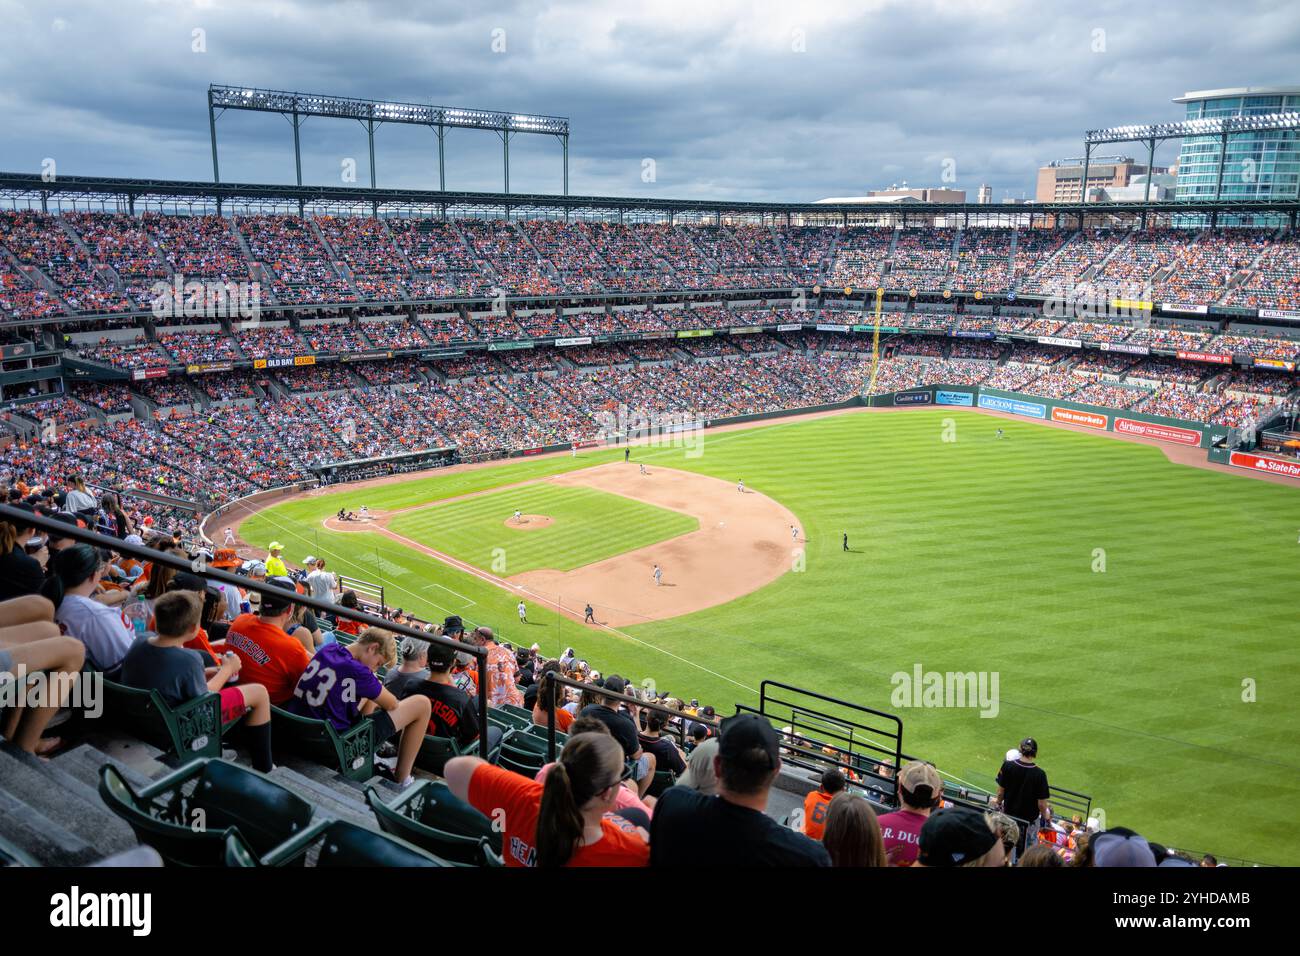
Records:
x=1273, y=466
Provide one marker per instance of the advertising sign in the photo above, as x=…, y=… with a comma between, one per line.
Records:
x=943, y=397
x=1071, y=416
x=1272, y=466
x=996, y=403
x=1169, y=433
x=912, y=398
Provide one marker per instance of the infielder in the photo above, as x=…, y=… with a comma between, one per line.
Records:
x=794, y=533
x=590, y=617
x=659, y=576
x=523, y=613
x=643, y=472
x=740, y=486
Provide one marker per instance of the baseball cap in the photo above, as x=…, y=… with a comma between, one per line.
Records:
x=1013, y=754
x=441, y=656
x=185, y=581
x=1029, y=747
x=1121, y=848
x=275, y=546
x=920, y=784
x=273, y=603
x=745, y=733
x=309, y=560
x=615, y=684
x=134, y=539
x=953, y=836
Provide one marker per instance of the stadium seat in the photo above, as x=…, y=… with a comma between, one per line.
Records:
x=187, y=815
x=436, y=751
x=510, y=719
x=662, y=781
x=11, y=855
x=429, y=816
x=192, y=729
x=351, y=753
x=521, y=752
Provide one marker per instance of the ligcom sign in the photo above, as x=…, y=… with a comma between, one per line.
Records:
x=996, y=403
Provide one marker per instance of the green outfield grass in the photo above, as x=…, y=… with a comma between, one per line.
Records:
x=1122, y=600
x=588, y=526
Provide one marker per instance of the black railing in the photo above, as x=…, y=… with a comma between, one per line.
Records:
x=27, y=519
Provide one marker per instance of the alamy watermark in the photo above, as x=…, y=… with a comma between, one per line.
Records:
x=922, y=688
x=659, y=429
x=206, y=299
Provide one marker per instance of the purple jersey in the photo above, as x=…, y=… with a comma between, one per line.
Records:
x=333, y=686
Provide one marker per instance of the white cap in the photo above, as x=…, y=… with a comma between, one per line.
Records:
x=1013, y=754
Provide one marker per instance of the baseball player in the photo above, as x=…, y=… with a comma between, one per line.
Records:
x=740, y=486
x=365, y=513
x=627, y=454
x=590, y=615
x=230, y=538
x=574, y=449
x=794, y=533
x=518, y=516
x=659, y=576
x=846, y=541
x=643, y=471
x=523, y=613
x=999, y=435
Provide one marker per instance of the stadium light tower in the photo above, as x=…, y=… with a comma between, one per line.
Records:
x=297, y=107
x=1222, y=127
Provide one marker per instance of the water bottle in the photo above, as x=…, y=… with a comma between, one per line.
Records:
x=137, y=614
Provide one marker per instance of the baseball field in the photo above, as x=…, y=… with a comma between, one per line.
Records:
x=1137, y=612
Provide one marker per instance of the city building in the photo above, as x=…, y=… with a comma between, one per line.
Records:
x=1261, y=164
x=1060, y=181
x=985, y=195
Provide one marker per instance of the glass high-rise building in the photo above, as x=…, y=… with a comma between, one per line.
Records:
x=1264, y=164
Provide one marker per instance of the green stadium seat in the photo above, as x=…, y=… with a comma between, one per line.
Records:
x=508, y=720
x=187, y=815
x=429, y=816
x=190, y=730
x=341, y=844
x=662, y=781
x=351, y=753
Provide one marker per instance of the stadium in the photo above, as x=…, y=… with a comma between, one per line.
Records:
x=905, y=498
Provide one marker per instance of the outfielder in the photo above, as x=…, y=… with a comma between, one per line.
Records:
x=523, y=613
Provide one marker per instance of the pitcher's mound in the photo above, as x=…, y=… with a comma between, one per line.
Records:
x=529, y=522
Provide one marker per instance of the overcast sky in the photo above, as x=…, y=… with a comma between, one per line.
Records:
x=744, y=100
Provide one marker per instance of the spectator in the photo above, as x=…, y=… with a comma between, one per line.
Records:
x=30, y=643
x=163, y=663
x=664, y=749
x=268, y=654
x=623, y=729
x=275, y=567
x=75, y=574
x=1119, y=846
x=1022, y=789
x=1041, y=855
x=732, y=829
x=414, y=654
x=453, y=714
x=1008, y=832
x=852, y=833
x=502, y=670
x=628, y=804
x=920, y=788
x=563, y=822
x=339, y=685
x=322, y=583
x=20, y=573
x=818, y=801
x=956, y=836
x=542, y=701
x=700, y=774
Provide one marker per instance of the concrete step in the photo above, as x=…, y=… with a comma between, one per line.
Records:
x=339, y=803
x=40, y=837
x=66, y=800
x=83, y=763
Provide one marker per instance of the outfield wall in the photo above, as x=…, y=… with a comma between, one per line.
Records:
x=1172, y=430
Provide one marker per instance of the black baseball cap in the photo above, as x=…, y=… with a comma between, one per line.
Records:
x=441, y=656
x=615, y=684
x=187, y=581
x=953, y=836
x=1028, y=747
x=745, y=733
x=274, y=604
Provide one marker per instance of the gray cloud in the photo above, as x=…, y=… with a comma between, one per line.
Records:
x=715, y=93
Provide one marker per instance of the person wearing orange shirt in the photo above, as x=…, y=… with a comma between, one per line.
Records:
x=562, y=823
x=269, y=655
x=816, y=804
